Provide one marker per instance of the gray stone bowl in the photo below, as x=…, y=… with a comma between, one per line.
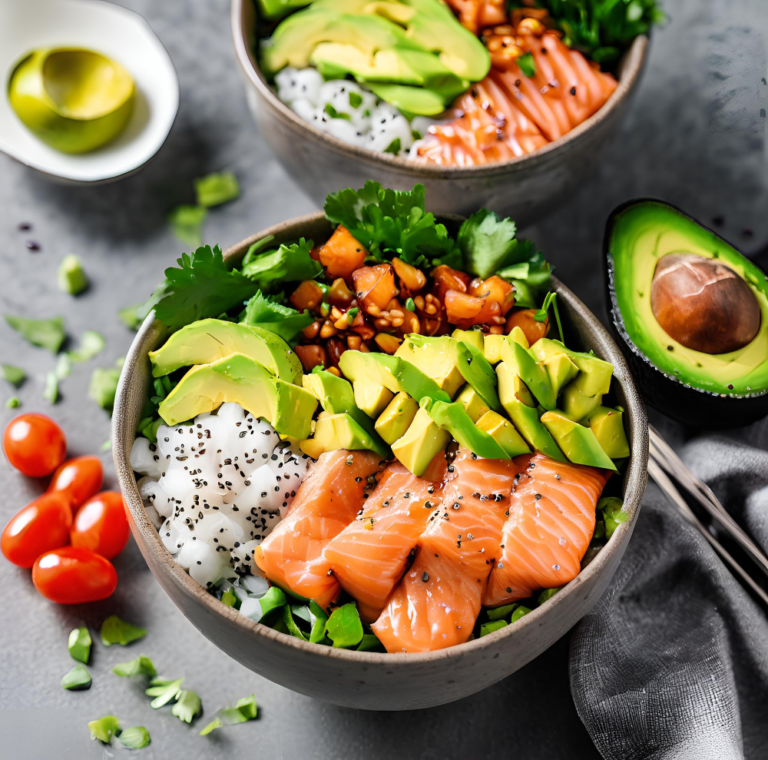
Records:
x=363, y=679
x=524, y=188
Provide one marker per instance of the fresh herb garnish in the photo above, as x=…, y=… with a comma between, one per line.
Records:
x=410, y=305
x=77, y=679
x=217, y=188
x=334, y=114
x=91, y=344
x=79, y=644
x=244, y=710
x=163, y=691
x=269, y=270
x=550, y=300
x=394, y=147
x=14, y=375
x=266, y=312
x=140, y=666
x=117, y=631
x=45, y=333
x=201, y=286
x=136, y=737
x=71, y=276
x=487, y=243
x=188, y=706
x=392, y=223
x=527, y=65
x=355, y=99
x=187, y=224
x=104, y=728
x=344, y=628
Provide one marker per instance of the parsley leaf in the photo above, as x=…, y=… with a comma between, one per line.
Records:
x=116, y=631
x=391, y=223
x=188, y=706
x=136, y=737
x=202, y=286
x=187, y=223
x=215, y=189
x=14, y=375
x=289, y=263
x=140, y=666
x=265, y=312
x=487, y=243
x=45, y=333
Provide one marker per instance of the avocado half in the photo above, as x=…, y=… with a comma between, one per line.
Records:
x=696, y=388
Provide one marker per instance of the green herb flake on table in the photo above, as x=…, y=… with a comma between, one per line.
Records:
x=117, y=631
x=79, y=644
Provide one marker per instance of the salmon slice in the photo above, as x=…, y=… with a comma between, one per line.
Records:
x=551, y=522
x=438, y=600
x=326, y=502
x=368, y=557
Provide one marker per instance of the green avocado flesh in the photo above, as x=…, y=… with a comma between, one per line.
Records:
x=337, y=431
x=640, y=236
x=241, y=379
x=420, y=443
x=209, y=340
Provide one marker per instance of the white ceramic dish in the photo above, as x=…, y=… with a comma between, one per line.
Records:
x=119, y=34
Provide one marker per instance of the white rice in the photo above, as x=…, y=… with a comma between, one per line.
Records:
x=369, y=123
x=216, y=488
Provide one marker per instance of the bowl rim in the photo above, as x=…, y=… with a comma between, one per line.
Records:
x=633, y=61
x=634, y=486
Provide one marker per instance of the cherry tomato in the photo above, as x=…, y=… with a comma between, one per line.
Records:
x=72, y=576
x=78, y=478
x=34, y=444
x=42, y=525
x=101, y=525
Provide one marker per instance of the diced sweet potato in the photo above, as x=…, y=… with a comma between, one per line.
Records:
x=311, y=356
x=308, y=295
x=342, y=254
x=339, y=294
x=533, y=330
x=412, y=280
x=374, y=286
x=494, y=289
x=449, y=279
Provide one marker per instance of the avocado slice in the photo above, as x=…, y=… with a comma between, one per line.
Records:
x=492, y=348
x=594, y=373
x=239, y=378
x=532, y=373
x=577, y=406
x=338, y=431
x=336, y=397
x=276, y=9
x=437, y=358
x=608, y=426
x=504, y=433
x=371, y=397
x=209, y=340
x=473, y=405
x=521, y=408
x=457, y=422
x=719, y=390
x=391, y=372
x=472, y=337
x=479, y=373
x=577, y=442
x=397, y=417
x=561, y=370
x=420, y=443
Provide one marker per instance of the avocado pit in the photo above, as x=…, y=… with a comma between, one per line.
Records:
x=703, y=304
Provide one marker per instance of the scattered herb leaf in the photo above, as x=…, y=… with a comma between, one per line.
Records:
x=51, y=391
x=188, y=706
x=103, y=387
x=187, y=224
x=136, y=737
x=14, y=375
x=245, y=710
x=71, y=276
x=117, y=631
x=491, y=626
x=79, y=644
x=355, y=99
x=13, y=403
x=104, y=728
x=77, y=679
x=163, y=691
x=139, y=666
x=217, y=188
x=91, y=344
x=45, y=333
x=334, y=114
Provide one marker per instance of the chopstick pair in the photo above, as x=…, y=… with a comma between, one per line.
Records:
x=664, y=466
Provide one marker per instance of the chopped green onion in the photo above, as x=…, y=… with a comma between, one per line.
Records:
x=344, y=628
x=14, y=375
x=188, y=706
x=501, y=612
x=104, y=728
x=217, y=188
x=547, y=594
x=163, y=691
x=136, y=737
x=325, y=309
x=72, y=277
x=77, y=679
x=612, y=508
x=229, y=598
x=63, y=366
x=518, y=613
x=212, y=726
x=491, y=626
x=334, y=114
x=410, y=305
x=117, y=631
x=140, y=666
x=45, y=333
x=79, y=644
x=352, y=313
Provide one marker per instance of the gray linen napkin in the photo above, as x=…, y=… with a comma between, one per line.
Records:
x=673, y=661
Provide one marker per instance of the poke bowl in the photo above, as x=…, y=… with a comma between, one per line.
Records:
x=298, y=515
x=499, y=144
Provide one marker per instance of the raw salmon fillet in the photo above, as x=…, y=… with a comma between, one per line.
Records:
x=327, y=501
x=368, y=557
x=438, y=600
x=551, y=522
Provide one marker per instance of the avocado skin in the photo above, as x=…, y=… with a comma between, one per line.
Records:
x=690, y=406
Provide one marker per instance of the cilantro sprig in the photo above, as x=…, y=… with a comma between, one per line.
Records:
x=550, y=301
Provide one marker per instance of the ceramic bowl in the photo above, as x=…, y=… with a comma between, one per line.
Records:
x=524, y=188
x=363, y=679
x=119, y=34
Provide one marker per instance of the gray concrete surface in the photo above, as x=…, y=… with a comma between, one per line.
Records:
x=695, y=136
